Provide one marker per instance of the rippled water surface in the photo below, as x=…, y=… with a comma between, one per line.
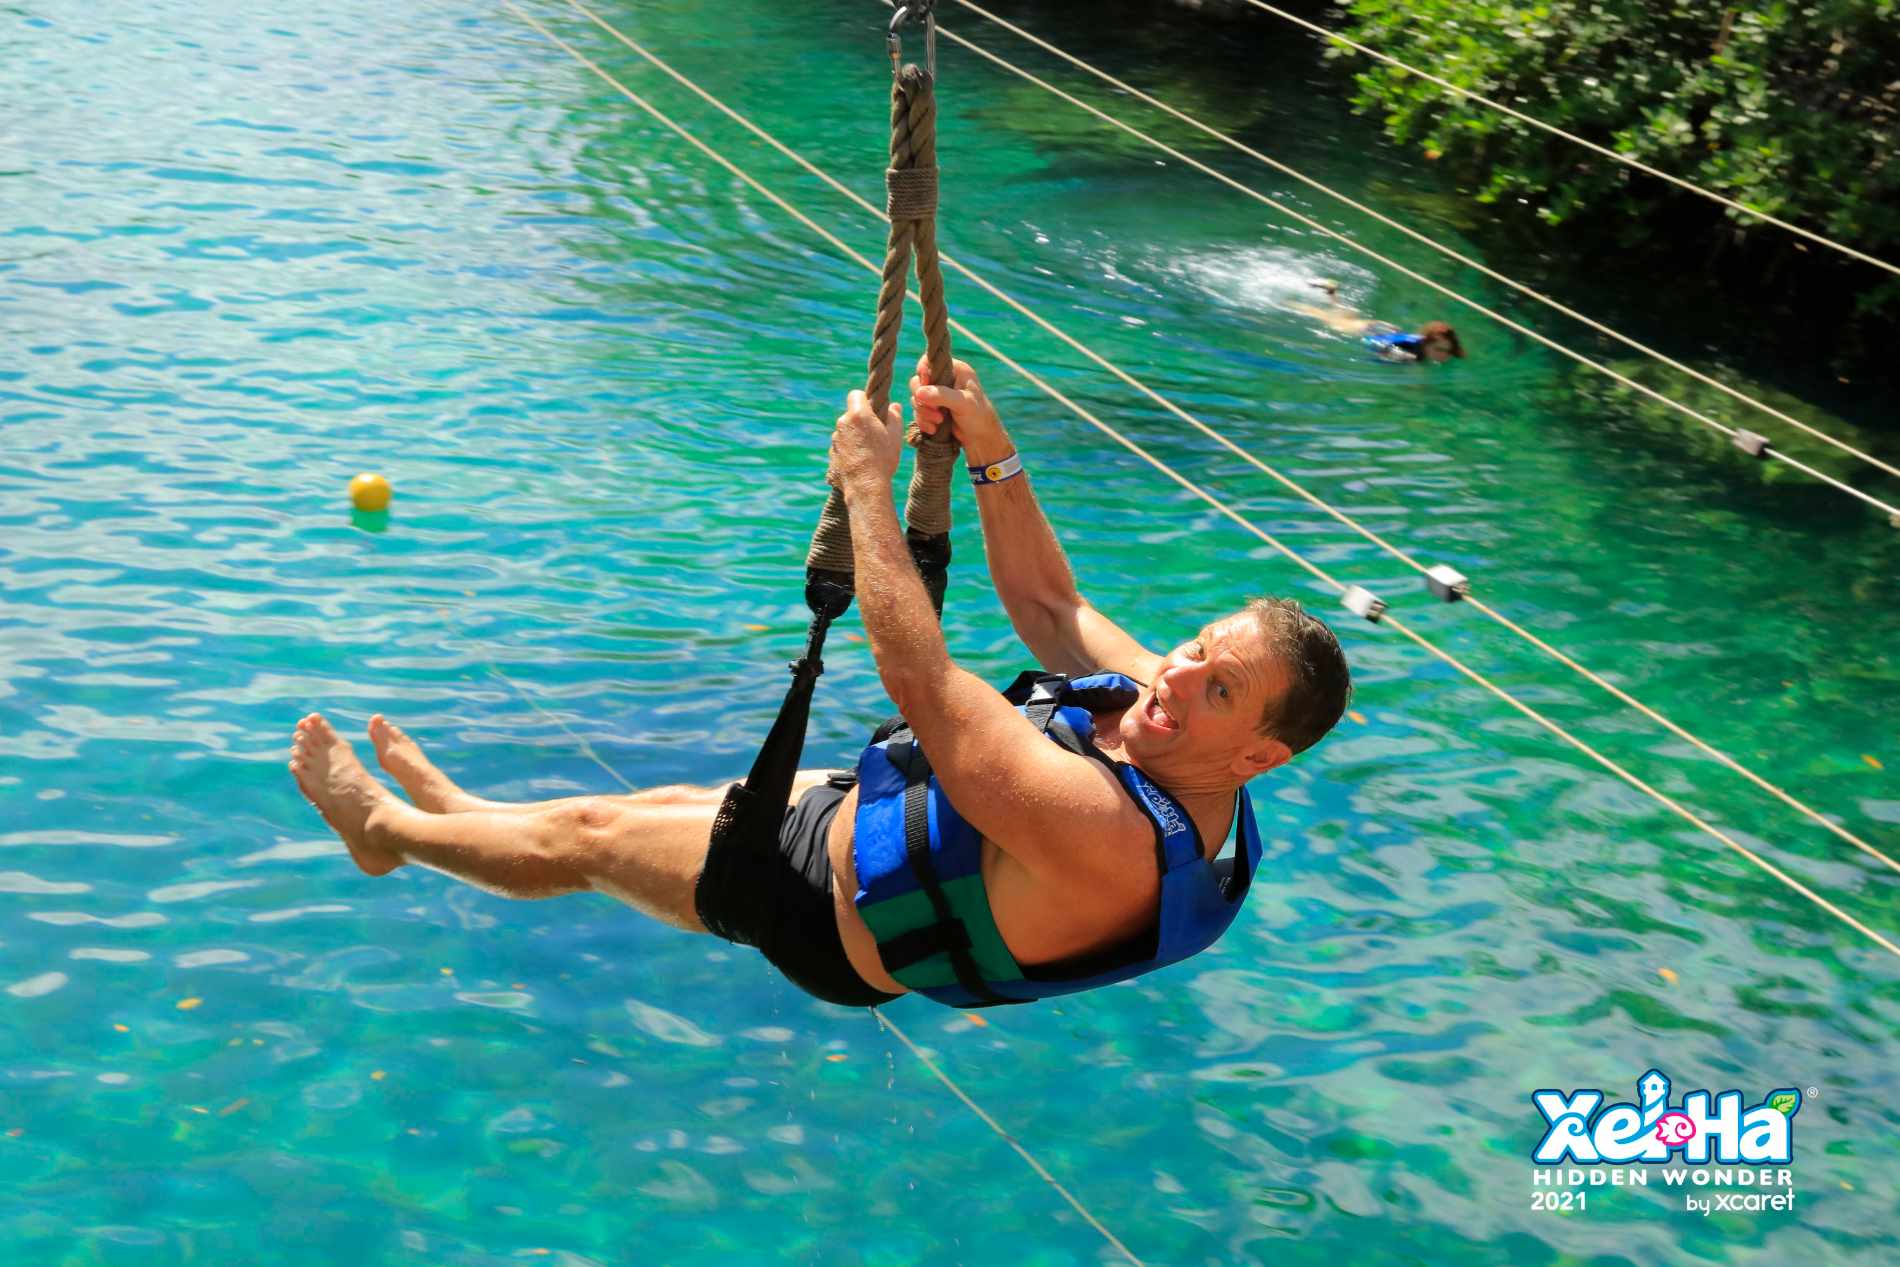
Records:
x=247, y=251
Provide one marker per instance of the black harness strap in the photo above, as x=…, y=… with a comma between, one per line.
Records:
x=919, y=944
x=755, y=809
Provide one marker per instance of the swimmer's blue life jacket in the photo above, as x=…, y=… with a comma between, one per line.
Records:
x=920, y=864
x=1394, y=341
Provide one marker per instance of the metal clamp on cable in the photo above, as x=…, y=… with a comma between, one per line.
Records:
x=1751, y=443
x=921, y=9
x=1448, y=583
x=1361, y=601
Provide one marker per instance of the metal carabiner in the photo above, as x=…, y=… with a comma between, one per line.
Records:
x=891, y=39
x=926, y=9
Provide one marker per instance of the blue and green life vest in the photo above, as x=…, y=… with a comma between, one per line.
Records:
x=920, y=864
x=1395, y=342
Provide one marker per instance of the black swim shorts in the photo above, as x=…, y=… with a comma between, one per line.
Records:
x=775, y=894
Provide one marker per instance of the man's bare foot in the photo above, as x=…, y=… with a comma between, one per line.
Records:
x=333, y=780
x=401, y=758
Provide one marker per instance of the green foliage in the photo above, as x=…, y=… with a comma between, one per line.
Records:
x=1793, y=109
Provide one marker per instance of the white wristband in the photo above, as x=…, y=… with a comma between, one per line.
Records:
x=997, y=472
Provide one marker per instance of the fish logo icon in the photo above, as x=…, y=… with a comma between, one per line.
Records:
x=1675, y=1129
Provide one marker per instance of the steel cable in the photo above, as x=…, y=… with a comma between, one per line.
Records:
x=1426, y=239
x=1891, y=511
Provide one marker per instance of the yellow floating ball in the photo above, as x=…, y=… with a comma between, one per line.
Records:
x=369, y=492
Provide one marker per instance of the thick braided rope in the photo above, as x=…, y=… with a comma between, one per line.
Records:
x=927, y=510
x=911, y=183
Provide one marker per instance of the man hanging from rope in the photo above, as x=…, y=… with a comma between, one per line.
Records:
x=1058, y=865
x=990, y=847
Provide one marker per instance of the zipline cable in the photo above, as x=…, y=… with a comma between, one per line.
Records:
x=1219, y=506
x=1407, y=230
x=1007, y=1138
x=1263, y=467
x=1734, y=434
x=1336, y=38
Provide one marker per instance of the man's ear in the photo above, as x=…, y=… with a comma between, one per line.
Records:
x=1267, y=753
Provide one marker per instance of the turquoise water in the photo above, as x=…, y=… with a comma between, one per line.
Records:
x=245, y=255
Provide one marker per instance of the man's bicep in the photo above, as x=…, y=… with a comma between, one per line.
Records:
x=1005, y=777
x=1035, y=801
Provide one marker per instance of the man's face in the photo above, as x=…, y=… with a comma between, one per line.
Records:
x=1436, y=349
x=1201, y=715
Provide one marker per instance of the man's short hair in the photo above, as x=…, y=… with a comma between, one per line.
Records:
x=1318, y=681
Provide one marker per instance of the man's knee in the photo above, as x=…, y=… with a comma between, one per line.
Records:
x=648, y=856
x=578, y=835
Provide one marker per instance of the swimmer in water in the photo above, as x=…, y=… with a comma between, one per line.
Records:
x=1435, y=341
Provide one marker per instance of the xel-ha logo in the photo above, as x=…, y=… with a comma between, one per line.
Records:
x=1704, y=1127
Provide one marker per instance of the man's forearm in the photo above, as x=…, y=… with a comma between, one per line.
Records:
x=898, y=617
x=1027, y=566
x=1031, y=575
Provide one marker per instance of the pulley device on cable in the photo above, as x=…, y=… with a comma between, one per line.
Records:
x=1446, y=583
x=911, y=203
